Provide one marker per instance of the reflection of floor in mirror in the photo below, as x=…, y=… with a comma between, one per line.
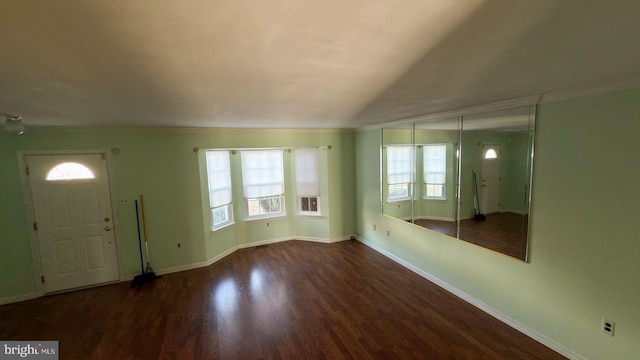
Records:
x=441, y=226
x=502, y=232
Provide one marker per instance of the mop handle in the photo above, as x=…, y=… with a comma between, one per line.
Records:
x=139, y=240
x=144, y=222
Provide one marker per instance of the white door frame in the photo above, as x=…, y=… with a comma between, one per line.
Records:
x=31, y=217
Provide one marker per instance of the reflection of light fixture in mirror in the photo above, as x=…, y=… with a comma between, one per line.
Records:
x=14, y=124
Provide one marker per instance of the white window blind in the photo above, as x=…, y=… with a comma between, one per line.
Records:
x=307, y=172
x=435, y=170
x=399, y=164
x=399, y=172
x=262, y=173
x=219, y=175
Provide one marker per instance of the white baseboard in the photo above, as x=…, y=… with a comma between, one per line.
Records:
x=197, y=265
x=12, y=299
x=323, y=240
x=520, y=212
x=129, y=277
x=439, y=218
x=466, y=217
x=237, y=247
x=265, y=242
x=342, y=238
x=563, y=350
x=290, y=238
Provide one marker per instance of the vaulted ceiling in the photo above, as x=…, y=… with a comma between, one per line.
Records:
x=301, y=63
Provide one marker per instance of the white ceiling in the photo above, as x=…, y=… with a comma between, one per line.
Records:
x=300, y=63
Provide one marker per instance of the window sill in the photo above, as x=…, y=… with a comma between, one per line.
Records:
x=398, y=200
x=223, y=226
x=263, y=217
x=310, y=214
x=437, y=199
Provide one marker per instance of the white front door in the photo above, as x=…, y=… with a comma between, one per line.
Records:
x=74, y=221
x=490, y=182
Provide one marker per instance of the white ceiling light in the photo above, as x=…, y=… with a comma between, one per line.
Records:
x=14, y=124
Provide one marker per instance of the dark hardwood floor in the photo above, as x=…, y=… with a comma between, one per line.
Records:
x=292, y=300
x=502, y=232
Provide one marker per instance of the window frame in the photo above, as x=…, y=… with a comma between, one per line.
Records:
x=224, y=224
x=304, y=168
x=408, y=185
x=268, y=215
x=424, y=172
x=302, y=212
x=229, y=205
x=282, y=199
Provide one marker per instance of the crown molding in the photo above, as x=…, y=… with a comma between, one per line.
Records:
x=502, y=105
x=186, y=130
x=589, y=91
x=586, y=91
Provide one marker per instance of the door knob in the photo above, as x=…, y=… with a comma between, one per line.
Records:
x=107, y=228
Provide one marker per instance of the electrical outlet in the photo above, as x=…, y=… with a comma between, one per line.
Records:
x=374, y=227
x=268, y=224
x=124, y=201
x=608, y=326
x=388, y=233
x=179, y=245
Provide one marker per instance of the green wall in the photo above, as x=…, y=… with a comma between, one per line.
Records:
x=163, y=166
x=584, y=246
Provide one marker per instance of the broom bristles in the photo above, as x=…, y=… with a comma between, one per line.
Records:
x=143, y=279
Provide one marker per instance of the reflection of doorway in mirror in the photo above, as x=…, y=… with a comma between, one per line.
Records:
x=490, y=183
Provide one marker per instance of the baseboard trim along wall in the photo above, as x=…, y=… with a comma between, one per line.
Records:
x=25, y=297
x=439, y=218
x=238, y=247
x=563, y=350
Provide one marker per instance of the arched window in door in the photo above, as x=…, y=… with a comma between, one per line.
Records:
x=491, y=154
x=69, y=171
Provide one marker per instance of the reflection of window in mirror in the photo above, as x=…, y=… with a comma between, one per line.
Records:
x=399, y=172
x=435, y=171
x=491, y=154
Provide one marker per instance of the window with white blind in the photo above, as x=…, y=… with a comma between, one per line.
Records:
x=263, y=183
x=219, y=179
x=399, y=172
x=435, y=171
x=308, y=180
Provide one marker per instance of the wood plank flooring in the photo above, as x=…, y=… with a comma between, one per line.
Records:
x=502, y=232
x=292, y=300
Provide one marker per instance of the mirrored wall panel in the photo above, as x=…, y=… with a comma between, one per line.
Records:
x=495, y=180
x=398, y=172
x=469, y=177
x=437, y=163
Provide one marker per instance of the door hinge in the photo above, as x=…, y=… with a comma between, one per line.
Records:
x=35, y=226
x=42, y=279
x=104, y=156
x=27, y=171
